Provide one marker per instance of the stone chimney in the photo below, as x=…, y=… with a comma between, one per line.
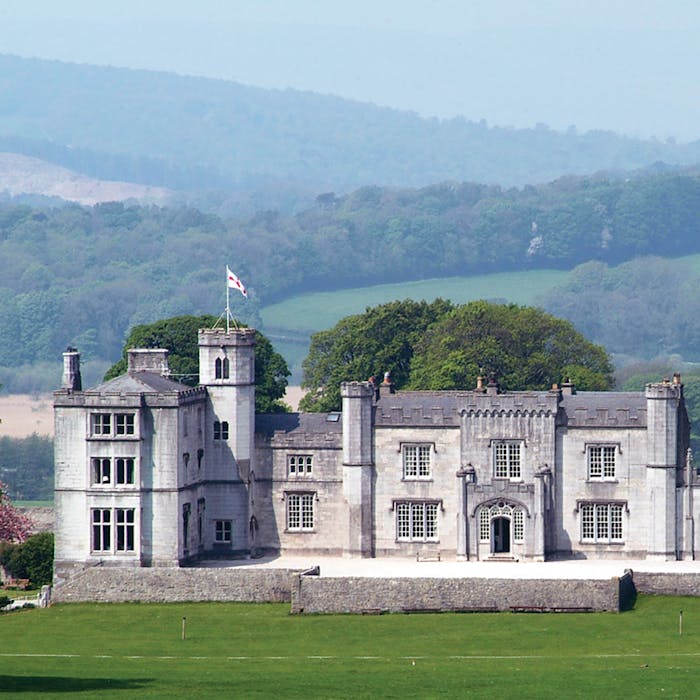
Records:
x=71, y=370
x=568, y=388
x=386, y=387
x=149, y=360
x=492, y=388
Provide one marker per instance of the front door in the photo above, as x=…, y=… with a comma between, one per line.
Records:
x=500, y=535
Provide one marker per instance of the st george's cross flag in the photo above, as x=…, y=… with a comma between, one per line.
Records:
x=234, y=283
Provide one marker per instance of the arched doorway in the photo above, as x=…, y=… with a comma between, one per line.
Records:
x=501, y=529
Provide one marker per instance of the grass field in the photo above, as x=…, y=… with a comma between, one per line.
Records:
x=320, y=310
x=251, y=651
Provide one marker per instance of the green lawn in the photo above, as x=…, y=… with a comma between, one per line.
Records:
x=241, y=650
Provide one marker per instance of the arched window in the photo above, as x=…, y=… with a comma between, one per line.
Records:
x=221, y=430
x=224, y=368
x=217, y=368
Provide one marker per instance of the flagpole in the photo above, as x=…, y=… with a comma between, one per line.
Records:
x=228, y=309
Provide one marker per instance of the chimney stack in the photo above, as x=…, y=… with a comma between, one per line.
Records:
x=386, y=387
x=71, y=370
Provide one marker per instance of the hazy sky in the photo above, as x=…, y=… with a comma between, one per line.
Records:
x=627, y=65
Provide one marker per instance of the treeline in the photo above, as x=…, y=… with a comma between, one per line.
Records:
x=195, y=133
x=26, y=467
x=85, y=275
x=645, y=308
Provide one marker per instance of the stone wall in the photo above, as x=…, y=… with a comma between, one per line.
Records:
x=42, y=518
x=315, y=594
x=667, y=584
x=171, y=585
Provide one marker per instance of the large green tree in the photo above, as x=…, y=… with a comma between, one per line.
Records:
x=179, y=336
x=380, y=339
x=524, y=347
x=441, y=346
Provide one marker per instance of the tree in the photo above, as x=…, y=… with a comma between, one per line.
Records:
x=379, y=340
x=14, y=527
x=32, y=559
x=179, y=336
x=524, y=347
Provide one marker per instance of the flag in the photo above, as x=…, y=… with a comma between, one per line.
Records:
x=234, y=283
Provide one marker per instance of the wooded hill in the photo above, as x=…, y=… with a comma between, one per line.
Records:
x=85, y=275
x=192, y=133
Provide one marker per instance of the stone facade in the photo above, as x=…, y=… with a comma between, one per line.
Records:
x=152, y=473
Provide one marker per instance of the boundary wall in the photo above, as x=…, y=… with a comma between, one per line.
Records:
x=174, y=585
x=309, y=592
x=658, y=583
x=314, y=594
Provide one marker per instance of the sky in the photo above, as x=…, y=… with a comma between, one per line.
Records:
x=629, y=66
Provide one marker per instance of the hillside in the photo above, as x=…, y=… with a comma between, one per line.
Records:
x=191, y=133
x=84, y=275
x=21, y=175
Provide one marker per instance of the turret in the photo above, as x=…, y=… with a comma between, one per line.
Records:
x=663, y=401
x=358, y=466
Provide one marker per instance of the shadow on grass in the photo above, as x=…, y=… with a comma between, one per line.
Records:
x=67, y=684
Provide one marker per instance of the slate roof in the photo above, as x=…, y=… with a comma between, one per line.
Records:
x=140, y=383
x=604, y=409
x=442, y=408
x=294, y=423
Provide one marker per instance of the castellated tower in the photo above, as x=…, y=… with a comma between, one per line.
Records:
x=227, y=370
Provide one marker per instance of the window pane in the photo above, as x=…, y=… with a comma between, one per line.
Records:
x=125, y=423
x=417, y=520
x=431, y=520
x=293, y=512
x=602, y=513
x=484, y=525
x=609, y=462
x=514, y=460
x=101, y=423
x=595, y=464
x=307, y=512
x=299, y=465
x=501, y=458
x=410, y=460
x=403, y=519
x=424, y=460
x=601, y=462
x=587, y=530
x=616, y=522
x=518, y=525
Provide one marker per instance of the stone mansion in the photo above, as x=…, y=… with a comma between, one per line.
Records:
x=150, y=472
